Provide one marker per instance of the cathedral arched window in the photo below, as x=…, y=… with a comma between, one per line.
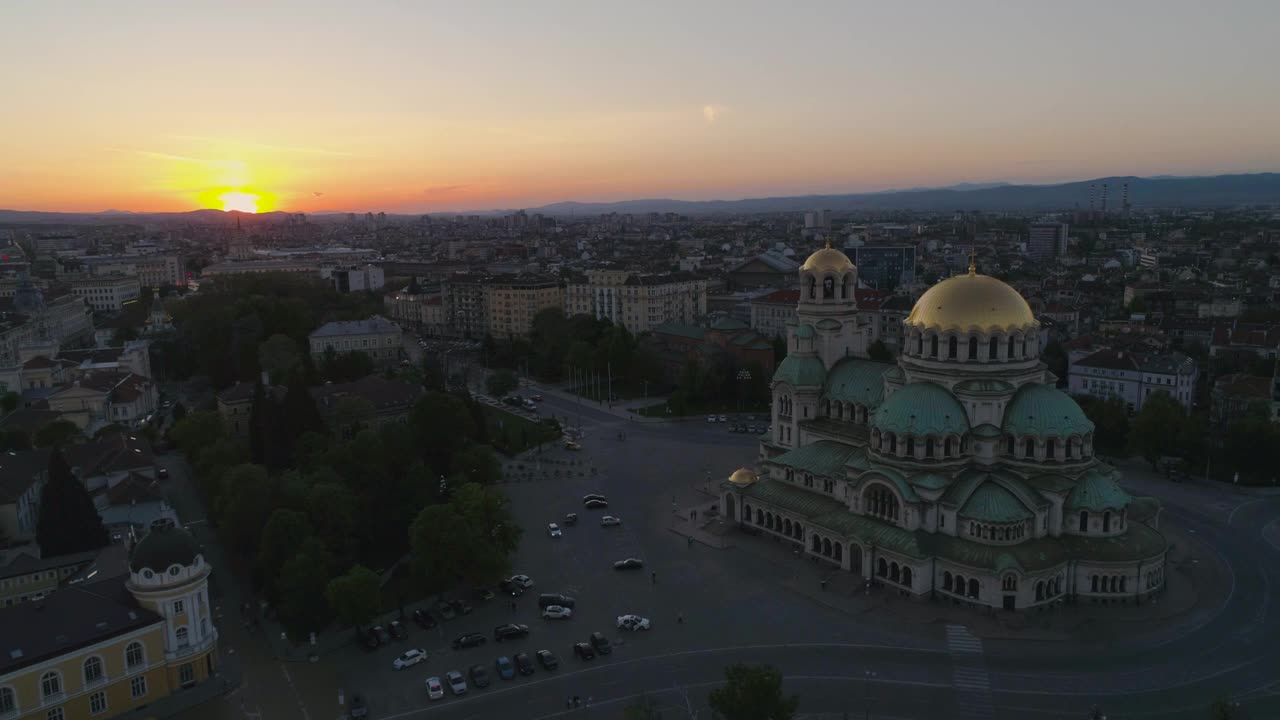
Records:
x=1029, y=448
x=973, y=348
x=1010, y=445
x=933, y=346
x=893, y=444
x=1009, y=354
x=1049, y=447
x=928, y=447
x=1106, y=521
x=993, y=348
x=911, y=446
x=1084, y=521
x=952, y=346
x=919, y=344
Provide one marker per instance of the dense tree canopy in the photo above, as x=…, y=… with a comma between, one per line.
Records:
x=470, y=537
x=68, y=521
x=752, y=692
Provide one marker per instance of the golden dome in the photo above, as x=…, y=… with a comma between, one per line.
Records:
x=743, y=477
x=969, y=302
x=828, y=259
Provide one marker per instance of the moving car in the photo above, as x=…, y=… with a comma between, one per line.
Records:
x=523, y=581
x=584, y=651
x=479, y=676
x=601, y=643
x=359, y=708
x=711, y=418
x=468, y=641
x=523, y=664
x=163, y=473
x=424, y=619
x=548, y=660
x=571, y=445
x=571, y=519
x=596, y=504
x=609, y=521
x=456, y=683
x=409, y=658
x=546, y=600
x=632, y=622
x=537, y=398
x=556, y=612
x=554, y=530
x=435, y=690
x=588, y=498
x=398, y=630
x=506, y=670
x=446, y=611
x=509, y=631
x=628, y=564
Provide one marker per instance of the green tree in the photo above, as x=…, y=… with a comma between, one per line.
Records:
x=10, y=401
x=347, y=366
x=1056, y=358
x=58, y=432
x=501, y=382
x=752, y=692
x=68, y=521
x=472, y=536
x=304, y=578
x=179, y=412
x=779, y=349
x=355, y=596
x=1110, y=420
x=279, y=356
x=478, y=464
x=350, y=414
x=197, y=430
x=281, y=539
x=259, y=424
x=330, y=506
x=644, y=708
x=879, y=352
x=1224, y=708
x=444, y=424
x=1158, y=428
x=242, y=505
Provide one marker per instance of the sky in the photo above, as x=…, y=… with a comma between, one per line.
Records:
x=437, y=106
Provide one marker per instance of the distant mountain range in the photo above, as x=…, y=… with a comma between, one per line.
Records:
x=1166, y=191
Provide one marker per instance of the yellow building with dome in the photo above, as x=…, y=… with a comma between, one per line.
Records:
x=110, y=642
x=960, y=473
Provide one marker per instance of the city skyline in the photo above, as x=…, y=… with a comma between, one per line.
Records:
x=443, y=108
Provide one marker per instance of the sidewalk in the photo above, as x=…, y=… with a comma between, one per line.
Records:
x=622, y=409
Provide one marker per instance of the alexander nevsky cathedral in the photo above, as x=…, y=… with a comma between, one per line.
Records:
x=960, y=473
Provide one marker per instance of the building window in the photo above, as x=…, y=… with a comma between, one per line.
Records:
x=133, y=656
x=178, y=607
x=50, y=684
x=54, y=714
x=8, y=703
x=138, y=686
x=92, y=670
x=182, y=636
x=186, y=674
x=952, y=347
x=98, y=702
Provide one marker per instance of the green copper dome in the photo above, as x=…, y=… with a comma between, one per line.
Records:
x=855, y=380
x=805, y=331
x=1096, y=492
x=992, y=503
x=1045, y=411
x=922, y=409
x=164, y=546
x=801, y=371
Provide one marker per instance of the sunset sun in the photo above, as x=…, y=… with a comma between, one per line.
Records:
x=242, y=201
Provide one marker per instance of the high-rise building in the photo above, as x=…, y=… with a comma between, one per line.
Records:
x=1046, y=240
x=639, y=302
x=885, y=267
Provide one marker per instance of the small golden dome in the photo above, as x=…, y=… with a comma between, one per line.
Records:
x=743, y=477
x=972, y=302
x=828, y=259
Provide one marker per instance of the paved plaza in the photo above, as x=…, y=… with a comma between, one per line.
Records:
x=842, y=647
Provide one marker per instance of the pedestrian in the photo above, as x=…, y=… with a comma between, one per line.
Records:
x=568, y=703
x=513, y=606
x=680, y=619
x=693, y=515
x=577, y=701
x=653, y=578
x=589, y=699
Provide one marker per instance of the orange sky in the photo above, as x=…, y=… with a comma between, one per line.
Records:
x=151, y=107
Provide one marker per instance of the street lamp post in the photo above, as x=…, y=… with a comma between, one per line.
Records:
x=744, y=376
x=867, y=676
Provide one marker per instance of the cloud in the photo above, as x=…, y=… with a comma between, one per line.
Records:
x=266, y=146
x=711, y=112
x=317, y=194
x=179, y=158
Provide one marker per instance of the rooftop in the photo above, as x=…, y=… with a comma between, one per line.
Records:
x=341, y=328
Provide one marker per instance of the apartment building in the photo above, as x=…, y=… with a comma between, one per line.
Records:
x=107, y=293
x=513, y=300
x=638, y=302
x=1134, y=377
x=377, y=337
x=151, y=270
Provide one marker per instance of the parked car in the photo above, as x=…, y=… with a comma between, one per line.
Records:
x=632, y=622
x=462, y=607
x=724, y=418
x=593, y=496
x=469, y=640
x=524, y=665
x=556, y=612
x=479, y=676
x=571, y=445
x=359, y=708
x=424, y=619
x=509, y=631
x=711, y=418
x=609, y=521
x=435, y=690
x=524, y=581
x=398, y=630
x=546, y=600
x=601, y=643
x=163, y=473
x=485, y=594
x=548, y=660
x=456, y=683
x=596, y=504
x=629, y=564
x=571, y=519
x=584, y=651
x=446, y=610
x=537, y=398
x=505, y=669
x=371, y=641
x=511, y=588
x=384, y=637
x=409, y=658
x=554, y=530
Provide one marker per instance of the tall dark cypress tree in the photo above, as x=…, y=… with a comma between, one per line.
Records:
x=298, y=414
x=258, y=425
x=68, y=521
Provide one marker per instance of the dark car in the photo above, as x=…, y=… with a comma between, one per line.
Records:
x=628, y=564
x=584, y=651
x=571, y=519
x=359, y=708
x=446, y=610
x=468, y=641
x=479, y=676
x=163, y=473
x=524, y=665
x=546, y=600
x=398, y=630
x=506, y=670
x=509, y=631
x=383, y=636
x=511, y=588
x=424, y=619
x=371, y=641
x=596, y=504
x=601, y=643
x=548, y=660
x=462, y=607
x=588, y=498
x=484, y=594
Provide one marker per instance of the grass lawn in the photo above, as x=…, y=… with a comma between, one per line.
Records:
x=699, y=408
x=511, y=434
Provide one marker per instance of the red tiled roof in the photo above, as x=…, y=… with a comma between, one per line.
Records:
x=38, y=362
x=782, y=297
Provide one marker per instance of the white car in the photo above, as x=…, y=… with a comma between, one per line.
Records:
x=609, y=521
x=632, y=622
x=553, y=530
x=410, y=658
x=711, y=418
x=523, y=581
x=435, y=690
x=456, y=682
x=557, y=612
x=724, y=418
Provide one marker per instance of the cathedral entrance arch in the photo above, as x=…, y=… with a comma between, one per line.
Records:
x=730, y=508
